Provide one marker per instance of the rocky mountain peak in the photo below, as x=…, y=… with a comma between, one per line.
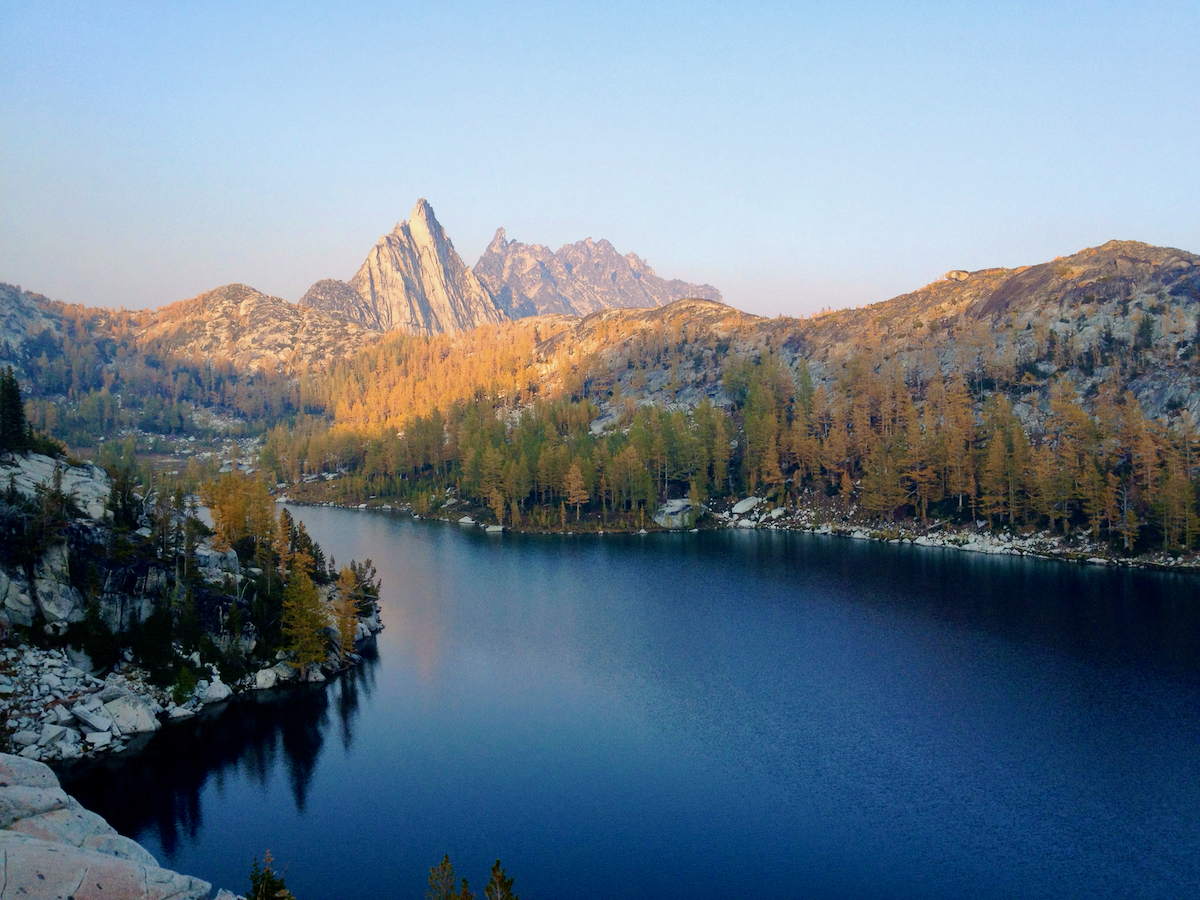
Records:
x=577, y=279
x=424, y=226
x=413, y=280
x=499, y=242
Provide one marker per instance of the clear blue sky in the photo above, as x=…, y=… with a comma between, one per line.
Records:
x=794, y=155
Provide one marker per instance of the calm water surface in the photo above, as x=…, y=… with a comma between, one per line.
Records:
x=718, y=715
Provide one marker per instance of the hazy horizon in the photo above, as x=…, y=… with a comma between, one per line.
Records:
x=793, y=157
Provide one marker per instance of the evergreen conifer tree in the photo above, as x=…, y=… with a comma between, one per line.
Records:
x=14, y=433
x=499, y=887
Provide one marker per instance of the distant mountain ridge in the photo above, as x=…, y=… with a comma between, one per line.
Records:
x=578, y=279
x=414, y=281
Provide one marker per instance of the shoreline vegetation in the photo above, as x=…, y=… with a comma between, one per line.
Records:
x=809, y=516
x=121, y=609
x=622, y=423
x=1031, y=446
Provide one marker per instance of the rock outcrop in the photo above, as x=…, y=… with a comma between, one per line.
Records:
x=578, y=279
x=252, y=330
x=413, y=281
x=336, y=298
x=52, y=848
x=86, y=484
x=23, y=318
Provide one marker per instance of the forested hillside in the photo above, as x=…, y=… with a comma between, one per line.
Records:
x=1068, y=410
x=1059, y=396
x=92, y=374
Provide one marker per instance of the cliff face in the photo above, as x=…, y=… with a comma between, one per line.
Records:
x=414, y=281
x=42, y=582
x=578, y=279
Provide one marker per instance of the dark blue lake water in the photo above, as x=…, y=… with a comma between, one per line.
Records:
x=717, y=715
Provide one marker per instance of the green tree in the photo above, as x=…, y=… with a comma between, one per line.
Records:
x=441, y=883
x=14, y=432
x=266, y=884
x=304, y=620
x=499, y=887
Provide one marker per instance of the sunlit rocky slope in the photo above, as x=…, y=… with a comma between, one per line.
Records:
x=1123, y=314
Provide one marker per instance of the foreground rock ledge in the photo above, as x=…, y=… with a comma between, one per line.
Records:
x=51, y=848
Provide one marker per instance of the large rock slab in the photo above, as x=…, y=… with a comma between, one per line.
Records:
x=93, y=719
x=215, y=692
x=744, y=506
x=44, y=870
x=131, y=715
x=52, y=848
x=87, y=484
x=674, y=514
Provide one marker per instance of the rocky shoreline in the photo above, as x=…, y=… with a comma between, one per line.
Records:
x=757, y=512
x=52, y=848
x=55, y=711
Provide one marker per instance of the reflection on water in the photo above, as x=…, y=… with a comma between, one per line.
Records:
x=707, y=715
x=250, y=735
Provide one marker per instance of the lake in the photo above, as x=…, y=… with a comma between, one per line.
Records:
x=713, y=715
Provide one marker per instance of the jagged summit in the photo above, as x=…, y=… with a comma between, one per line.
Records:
x=413, y=280
x=577, y=279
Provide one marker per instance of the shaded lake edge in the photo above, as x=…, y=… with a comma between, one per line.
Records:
x=934, y=534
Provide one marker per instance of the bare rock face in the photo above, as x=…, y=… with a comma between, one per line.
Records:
x=86, y=484
x=23, y=317
x=414, y=281
x=578, y=279
x=253, y=331
x=16, y=598
x=51, y=847
x=339, y=299
x=60, y=602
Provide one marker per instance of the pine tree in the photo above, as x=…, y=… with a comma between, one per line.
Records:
x=441, y=883
x=499, y=887
x=14, y=432
x=266, y=884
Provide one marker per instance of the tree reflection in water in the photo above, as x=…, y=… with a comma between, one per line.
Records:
x=156, y=784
